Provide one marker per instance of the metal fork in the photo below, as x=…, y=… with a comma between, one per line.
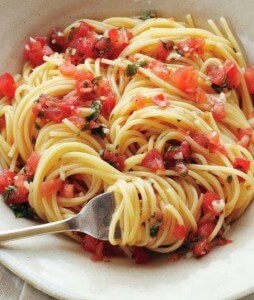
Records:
x=94, y=219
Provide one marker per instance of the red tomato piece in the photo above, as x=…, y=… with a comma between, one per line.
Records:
x=216, y=74
x=67, y=190
x=35, y=49
x=208, y=200
x=57, y=40
x=19, y=183
x=159, y=69
x=206, y=228
x=77, y=121
x=241, y=164
x=102, y=46
x=120, y=39
x=160, y=100
x=7, y=85
x=140, y=101
x=219, y=111
x=2, y=123
x=141, y=255
x=114, y=159
x=51, y=187
x=164, y=49
x=186, y=149
x=6, y=179
x=68, y=69
x=244, y=136
x=32, y=163
x=107, y=105
x=201, y=248
x=153, y=160
x=249, y=78
x=181, y=168
x=200, y=96
x=201, y=139
x=180, y=232
x=233, y=76
x=185, y=79
x=83, y=31
x=192, y=46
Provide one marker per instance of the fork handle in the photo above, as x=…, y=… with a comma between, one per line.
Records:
x=53, y=227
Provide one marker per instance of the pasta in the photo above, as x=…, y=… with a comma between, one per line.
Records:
x=157, y=111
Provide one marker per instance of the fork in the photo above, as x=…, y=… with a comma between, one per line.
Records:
x=93, y=219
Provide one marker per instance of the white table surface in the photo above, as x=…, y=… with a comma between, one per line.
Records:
x=14, y=288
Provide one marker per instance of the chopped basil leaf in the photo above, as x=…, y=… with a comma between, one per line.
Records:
x=23, y=210
x=96, y=109
x=8, y=192
x=147, y=15
x=100, y=131
x=229, y=178
x=37, y=126
x=154, y=230
x=132, y=68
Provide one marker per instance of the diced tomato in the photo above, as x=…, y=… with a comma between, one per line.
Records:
x=175, y=257
x=32, y=163
x=201, y=248
x=213, y=137
x=216, y=74
x=180, y=232
x=83, y=31
x=233, y=76
x=185, y=79
x=57, y=40
x=249, y=78
x=120, y=39
x=17, y=197
x=159, y=69
x=108, y=103
x=221, y=241
x=241, y=164
x=200, y=96
x=7, y=85
x=219, y=111
x=80, y=49
x=84, y=85
x=51, y=187
x=102, y=46
x=35, y=49
x=114, y=159
x=208, y=200
x=139, y=100
x=153, y=160
x=164, y=49
x=68, y=69
x=192, y=46
x=161, y=100
x=206, y=228
x=67, y=190
x=93, y=245
x=2, y=123
x=77, y=121
x=181, y=168
x=141, y=255
x=201, y=139
x=244, y=136
x=19, y=183
x=186, y=149
x=6, y=179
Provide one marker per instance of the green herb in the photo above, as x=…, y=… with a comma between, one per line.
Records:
x=132, y=68
x=147, y=15
x=41, y=114
x=154, y=230
x=219, y=88
x=229, y=178
x=8, y=192
x=23, y=210
x=37, y=126
x=30, y=179
x=100, y=131
x=96, y=106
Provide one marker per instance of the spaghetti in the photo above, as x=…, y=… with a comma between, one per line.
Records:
x=157, y=111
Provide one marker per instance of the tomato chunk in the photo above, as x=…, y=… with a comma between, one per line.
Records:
x=114, y=159
x=233, y=76
x=216, y=74
x=2, y=123
x=35, y=49
x=68, y=69
x=159, y=69
x=241, y=164
x=249, y=78
x=206, y=228
x=219, y=111
x=57, y=40
x=244, y=136
x=6, y=179
x=67, y=190
x=192, y=46
x=210, y=199
x=160, y=100
x=185, y=79
x=164, y=49
x=7, y=85
x=201, y=248
x=141, y=255
x=51, y=187
x=153, y=160
x=180, y=232
x=32, y=163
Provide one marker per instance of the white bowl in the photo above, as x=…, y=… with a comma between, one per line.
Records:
x=57, y=265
